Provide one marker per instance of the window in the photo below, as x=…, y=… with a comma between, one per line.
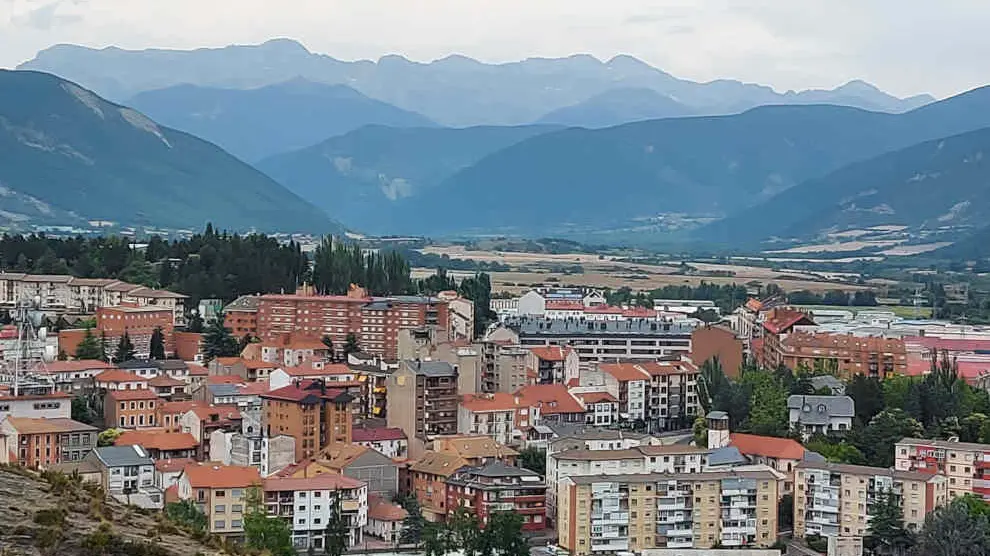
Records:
x=220, y=509
x=302, y=508
x=220, y=494
x=237, y=508
x=237, y=493
x=219, y=524
x=236, y=524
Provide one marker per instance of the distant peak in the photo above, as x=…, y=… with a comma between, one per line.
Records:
x=858, y=85
x=284, y=45
x=457, y=59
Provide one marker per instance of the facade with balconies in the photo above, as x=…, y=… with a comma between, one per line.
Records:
x=497, y=487
x=308, y=504
x=965, y=465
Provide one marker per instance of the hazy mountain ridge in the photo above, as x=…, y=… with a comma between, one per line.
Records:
x=68, y=153
x=256, y=123
x=455, y=90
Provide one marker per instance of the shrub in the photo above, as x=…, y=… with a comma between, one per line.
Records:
x=53, y=517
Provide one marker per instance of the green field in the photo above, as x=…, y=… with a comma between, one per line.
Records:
x=903, y=311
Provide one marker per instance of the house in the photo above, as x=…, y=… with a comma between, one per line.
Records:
x=477, y=450
x=116, y=379
x=497, y=487
x=491, y=415
x=963, y=464
x=307, y=505
x=39, y=442
x=169, y=388
x=220, y=492
x=429, y=477
x=160, y=444
x=128, y=475
x=57, y=405
x=201, y=421
x=827, y=415
x=781, y=454
x=87, y=470
x=168, y=414
x=385, y=519
x=131, y=409
x=337, y=375
x=378, y=471
x=390, y=442
x=553, y=364
x=601, y=408
x=70, y=376
x=549, y=403
x=167, y=471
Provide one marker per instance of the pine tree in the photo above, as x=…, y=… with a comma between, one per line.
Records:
x=336, y=532
x=262, y=532
x=218, y=342
x=157, y=348
x=104, y=347
x=351, y=344
x=89, y=347
x=413, y=524
x=887, y=533
x=125, y=349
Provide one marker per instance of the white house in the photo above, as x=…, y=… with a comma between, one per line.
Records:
x=385, y=520
x=128, y=475
x=820, y=414
x=308, y=502
x=47, y=406
x=391, y=442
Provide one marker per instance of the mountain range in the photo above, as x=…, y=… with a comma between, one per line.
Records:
x=256, y=123
x=453, y=91
x=67, y=155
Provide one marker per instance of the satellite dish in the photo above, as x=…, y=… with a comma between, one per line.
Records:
x=42, y=333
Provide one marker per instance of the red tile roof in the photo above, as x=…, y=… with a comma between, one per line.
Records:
x=564, y=306
x=307, y=370
x=170, y=465
x=227, y=361
x=76, y=366
x=382, y=510
x=754, y=305
x=499, y=401
x=969, y=370
x=222, y=412
x=157, y=440
x=224, y=379
x=301, y=391
x=766, y=446
x=949, y=344
x=603, y=310
x=624, y=372
x=254, y=388
x=550, y=398
x=197, y=370
x=662, y=368
x=165, y=381
x=215, y=475
x=323, y=481
x=551, y=353
x=639, y=313
x=781, y=320
x=42, y=425
x=378, y=434
x=256, y=364
x=596, y=397
x=117, y=376
x=179, y=406
x=128, y=395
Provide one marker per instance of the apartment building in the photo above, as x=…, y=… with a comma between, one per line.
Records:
x=390, y=442
x=552, y=365
x=497, y=487
x=630, y=513
x=374, y=321
x=661, y=393
x=606, y=341
x=317, y=416
x=476, y=450
x=635, y=459
x=867, y=355
x=835, y=500
x=429, y=476
x=71, y=376
x=56, y=405
x=714, y=341
x=39, y=442
x=307, y=504
x=965, y=465
x=776, y=325
x=131, y=409
x=491, y=415
x=504, y=367
x=139, y=323
x=601, y=408
x=160, y=444
x=422, y=401
x=221, y=493
x=240, y=316
x=373, y=468
x=59, y=294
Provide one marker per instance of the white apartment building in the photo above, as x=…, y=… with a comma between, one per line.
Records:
x=308, y=502
x=965, y=465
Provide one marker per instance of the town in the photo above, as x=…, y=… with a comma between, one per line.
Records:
x=382, y=423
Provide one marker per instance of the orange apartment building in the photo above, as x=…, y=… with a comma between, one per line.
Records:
x=241, y=316
x=778, y=323
x=429, y=482
x=711, y=341
x=39, y=442
x=870, y=356
x=139, y=323
x=131, y=409
x=375, y=321
x=316, y=416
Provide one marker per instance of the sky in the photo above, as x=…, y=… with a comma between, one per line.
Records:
x=903, y=46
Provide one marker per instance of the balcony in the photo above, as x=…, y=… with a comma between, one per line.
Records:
x=610, y=546
x=610, y=518
x=350, y=505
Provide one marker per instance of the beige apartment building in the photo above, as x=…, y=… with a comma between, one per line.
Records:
x=835, y=500
x=422, y=400
x=965, y=465
x=220, y=492
x=630, y=513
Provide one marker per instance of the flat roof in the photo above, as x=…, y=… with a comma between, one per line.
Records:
x=529, y=326
x=664, y=477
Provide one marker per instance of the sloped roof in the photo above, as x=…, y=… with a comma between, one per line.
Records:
x=128, y=395
x=438, y=463
x=550, y=398
x=551, y=353
x=817, y=410
x=41, y=425
x=624, y=372
x=323, y=481
x=382, y=510
x=472, y=446
x=480, y=403
x=597, y=397
x=120, y=456
x=377, y=434
x=76, y=366
x=766, y=446
x=117, y=375
x=215, y=475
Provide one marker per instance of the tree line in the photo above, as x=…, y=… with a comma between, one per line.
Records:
x=500, y=535
x=726, y=297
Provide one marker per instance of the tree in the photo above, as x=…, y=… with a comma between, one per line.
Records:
x=836, y=452
x=107, y=437
x=887, y=534
x=89, y=347
x=336, y=532
x=867, y=395
x=218, y=341
x=953, y=531
x=125, y=349
x=81, y=411
x=351, y=344
x=877, y=439
x=262, y=532
x=62, y=356
x=186, y=513
x=157, y=346
x=700, y=431
x=534, y=459
x=466, y=533
x=768, y=405
x=327, y=341
x=413, y=524
x=437, y=539
x=785, y=512
x=503, y=533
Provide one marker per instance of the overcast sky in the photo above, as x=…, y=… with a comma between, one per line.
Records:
x=903, y=46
